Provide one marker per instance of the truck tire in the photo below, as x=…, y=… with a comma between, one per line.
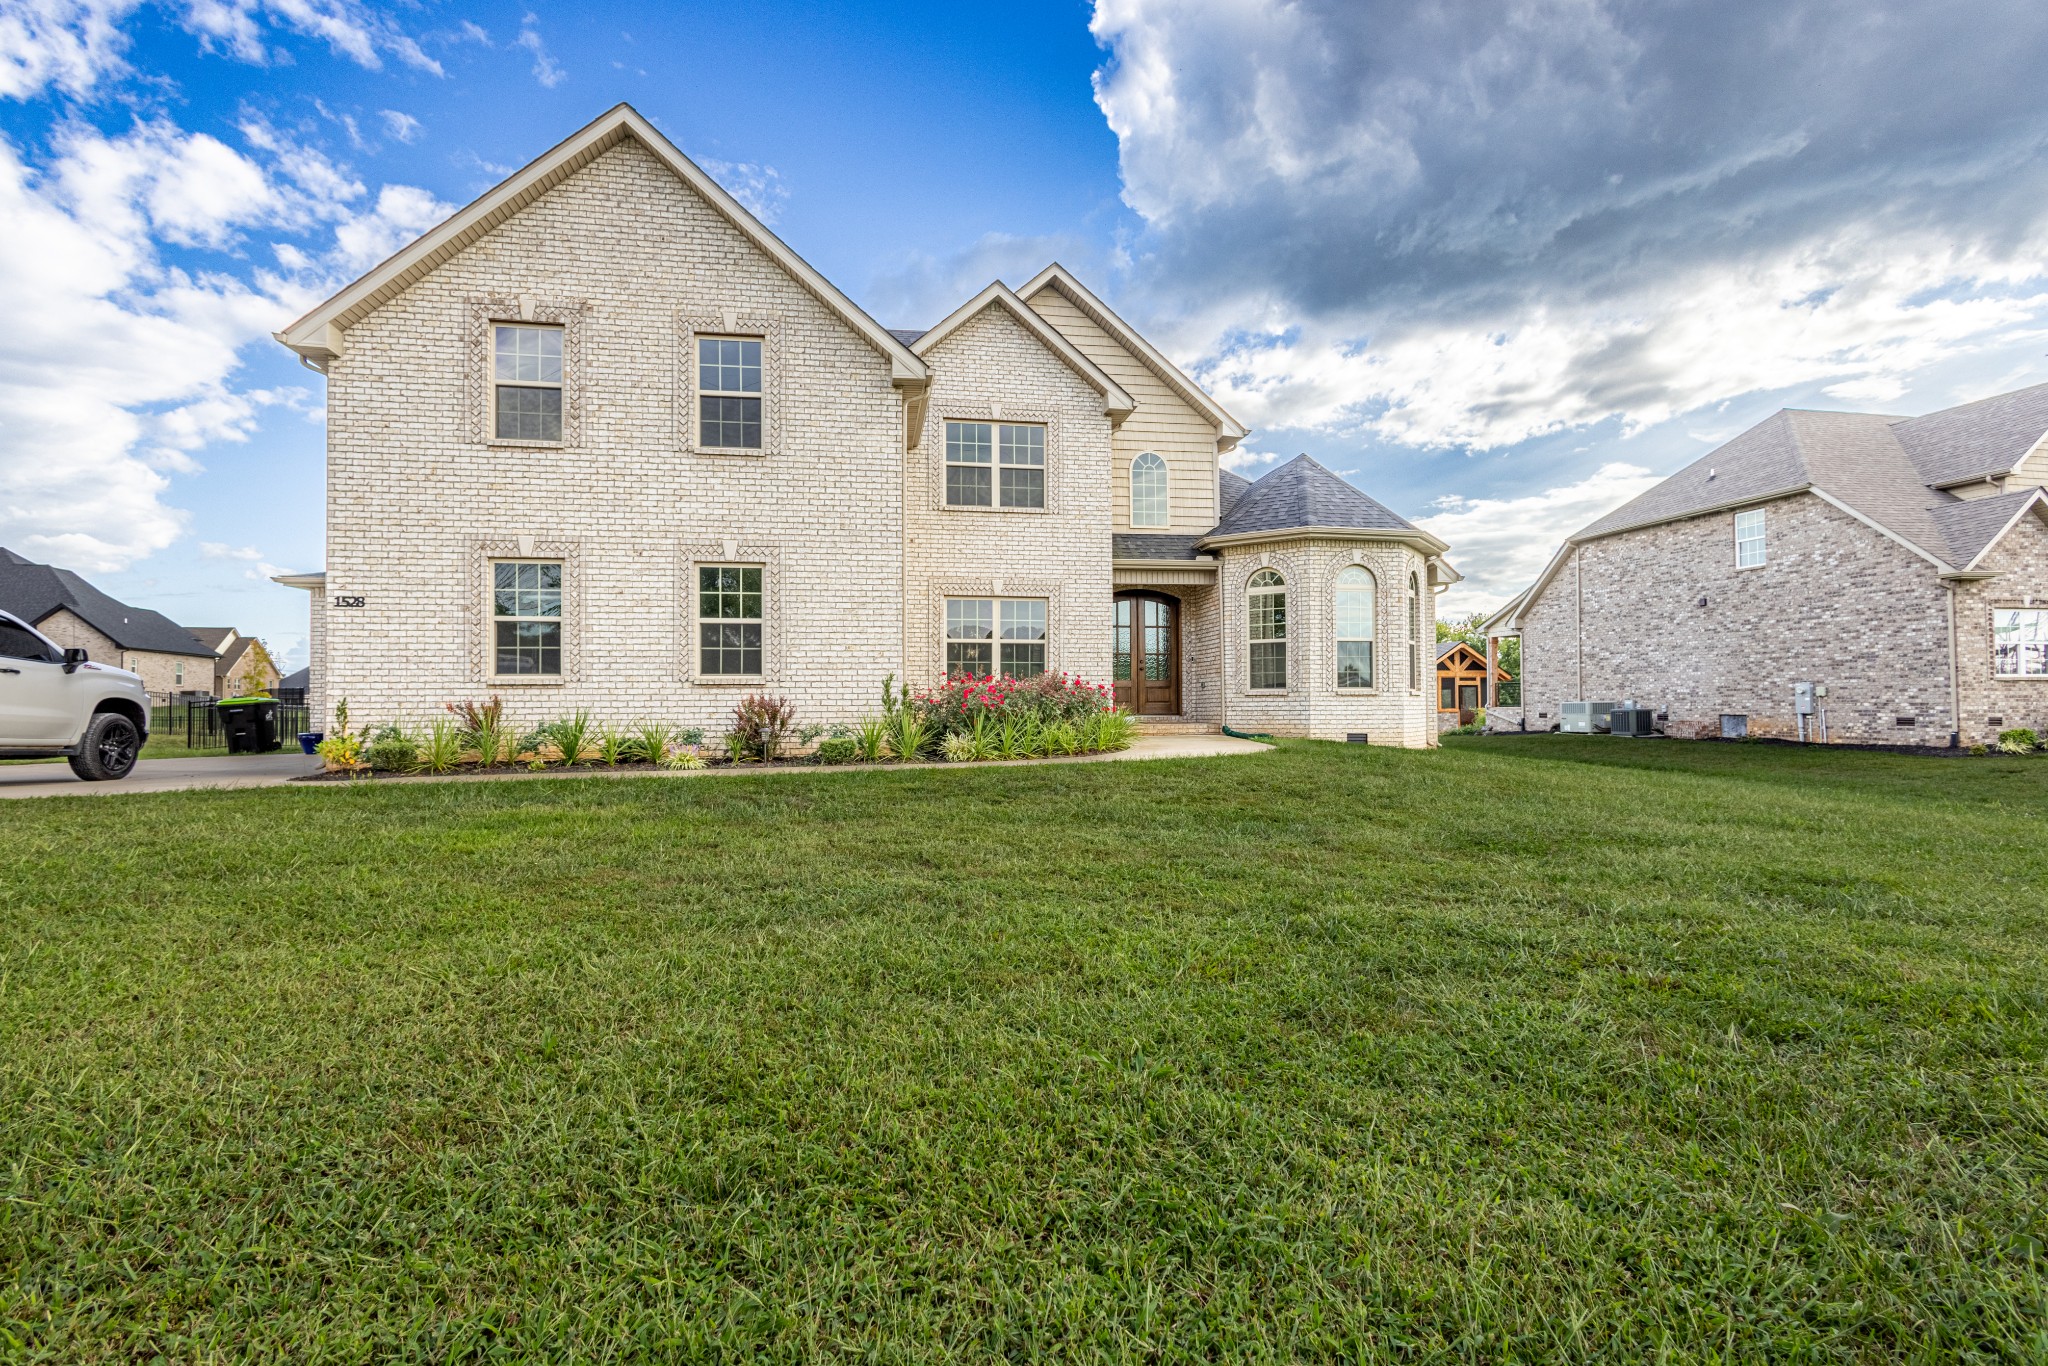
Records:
x=108, y=749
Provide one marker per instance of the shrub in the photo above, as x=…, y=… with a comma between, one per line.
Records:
x=683, y=756
x=342, y=753
x=839, y=749
x=958, y=748
x=391, y=750
x=532, y=747
x=2019, y=740
x=441, y=751
x=574, y=737
x=692, y=736
x=951, y=707
x=909, y=736
x=759, y=723
x=1062, y=737
x=871, y=739
x=482, y=725
x=613, y=746
x=649, y=742
x=1012, y=740
x=1117, y=731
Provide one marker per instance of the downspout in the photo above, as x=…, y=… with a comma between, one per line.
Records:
x=1955, y=692
x=1579, y=615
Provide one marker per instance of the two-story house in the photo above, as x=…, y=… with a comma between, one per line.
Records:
x=1847, y=577
x=603, y=440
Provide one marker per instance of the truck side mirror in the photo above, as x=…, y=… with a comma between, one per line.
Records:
x=74, y=657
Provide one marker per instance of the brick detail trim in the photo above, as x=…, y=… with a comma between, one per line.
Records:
x=774, y=600
x=1237, y=623
x=479, y=611
x=573, y=315
x=766, y=326
x=934, y=443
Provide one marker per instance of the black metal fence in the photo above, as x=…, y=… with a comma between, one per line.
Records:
x=200, y=723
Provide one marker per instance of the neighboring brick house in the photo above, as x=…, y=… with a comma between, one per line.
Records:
x=603, y=441
x=77, y=615
x=242, y=664
x=1898, y=564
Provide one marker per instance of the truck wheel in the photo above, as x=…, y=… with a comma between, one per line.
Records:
x=108, y=749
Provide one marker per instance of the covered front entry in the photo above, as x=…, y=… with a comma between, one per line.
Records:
x=1145, y=664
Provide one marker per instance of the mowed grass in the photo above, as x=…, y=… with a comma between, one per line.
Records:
x=1529, y=1049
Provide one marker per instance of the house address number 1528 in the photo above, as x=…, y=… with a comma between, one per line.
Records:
x=348, y=599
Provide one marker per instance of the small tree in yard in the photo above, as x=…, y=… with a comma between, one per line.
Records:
x=759, y=723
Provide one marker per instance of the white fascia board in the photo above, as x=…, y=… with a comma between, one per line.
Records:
x=1118, y=404
x=2039, y=499
x=316, y=335
x=1429, y=544
x=313, y=582
x=1229, y=430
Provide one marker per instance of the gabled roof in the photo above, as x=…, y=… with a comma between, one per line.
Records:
x=211, y=636
x=1446, y=649
x=1229, y=431
x=225, y=666
x=321, y=333
x=34, y=591
x=1974, y=441
x=301, y=678
x=1973, y=526
x=1115, y=401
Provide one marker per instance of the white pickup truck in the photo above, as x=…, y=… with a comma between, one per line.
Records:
x=56, y=702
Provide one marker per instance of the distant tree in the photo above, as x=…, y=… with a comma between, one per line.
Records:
x=257, y=672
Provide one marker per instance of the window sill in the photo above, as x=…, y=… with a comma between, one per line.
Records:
x=1357, y=692
x=1266, y=692
x=729, y=680
x=973, y=507
x=730, y=452
x=515, y=443
x=2019, y=678
x=525, y=681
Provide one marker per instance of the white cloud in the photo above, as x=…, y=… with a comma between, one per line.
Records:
x=128, y=370
x=68, y=44
x=1500, y=545
x=399, y=125
x=1476, y=225
x=221, y=550
x=545, y=69
x=757, y=186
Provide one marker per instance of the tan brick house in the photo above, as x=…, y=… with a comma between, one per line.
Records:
x=602, y=440
x=76, y=615
x=1898, y=565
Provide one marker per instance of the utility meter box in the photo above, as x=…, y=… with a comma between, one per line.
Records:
x=1802, y=699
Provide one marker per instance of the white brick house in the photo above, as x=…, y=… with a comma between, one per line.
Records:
x=602, y=440
x=1900, y=564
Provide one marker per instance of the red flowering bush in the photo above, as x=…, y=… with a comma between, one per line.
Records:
x=951, y=708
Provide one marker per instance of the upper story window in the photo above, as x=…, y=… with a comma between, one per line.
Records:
x=526, y=610
x=987, y=636
x=1266, y=604
x=1354, y=627
x=729, y=620
x=995, y=464
x=526, y=375
x=1148, y=491
x=1414, y=633
x=1749, y=538
x=2019, y=642
x=729, y=393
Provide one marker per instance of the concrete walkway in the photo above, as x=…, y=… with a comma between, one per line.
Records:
x=272, y=770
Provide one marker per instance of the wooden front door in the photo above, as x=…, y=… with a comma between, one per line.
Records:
x=1145, y=665
x=1468, y=703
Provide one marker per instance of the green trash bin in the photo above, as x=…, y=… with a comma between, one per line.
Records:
x=250, y=723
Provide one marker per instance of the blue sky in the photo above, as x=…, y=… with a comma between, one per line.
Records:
x=1501, y=263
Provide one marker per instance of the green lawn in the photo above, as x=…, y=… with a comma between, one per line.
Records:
x=1530, y=1049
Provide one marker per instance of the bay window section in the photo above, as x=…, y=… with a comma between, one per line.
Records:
x=729, y=620
x=526, y=612
x=1266, y=603
x=1354, y=621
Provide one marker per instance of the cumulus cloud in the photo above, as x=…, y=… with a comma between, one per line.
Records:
x=128, y=372
x=1472, y=225
x=397, y=124
x=1500, y=545
x=545, y=69
x=755, y=185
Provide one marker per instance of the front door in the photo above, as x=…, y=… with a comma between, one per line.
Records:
x=1468, y=703
x=1146, y=662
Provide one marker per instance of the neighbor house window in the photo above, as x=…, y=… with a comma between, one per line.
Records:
x=729, y=393
x=986, y=636
x=995, y=464
x=729, y=620
x=526, y=373
x=180, y=679
x=1446, y=694
x=1749, y=538
x=2019, y=639
x=1414, y=633
x=526, y=608
x=1267, y=608
x=1148, y=491
x=1354, y=627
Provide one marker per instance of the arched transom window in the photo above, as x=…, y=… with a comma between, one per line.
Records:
x=1414, y=631
x=1266, y=608
x=1354, y=627
x=1148, y=491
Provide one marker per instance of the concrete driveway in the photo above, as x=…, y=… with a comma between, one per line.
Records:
x=158, y=775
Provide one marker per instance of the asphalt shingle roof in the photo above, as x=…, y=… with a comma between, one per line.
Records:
x=1301, y=493
x=1229, y=488
x=1885, y=468
x=907, y=335
x=33, y=591
x=1140, y=545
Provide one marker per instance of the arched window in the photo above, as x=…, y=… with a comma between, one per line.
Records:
x=1266, y=603
x=1354, y=627
x=1414, y=632
x=1148, y=491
